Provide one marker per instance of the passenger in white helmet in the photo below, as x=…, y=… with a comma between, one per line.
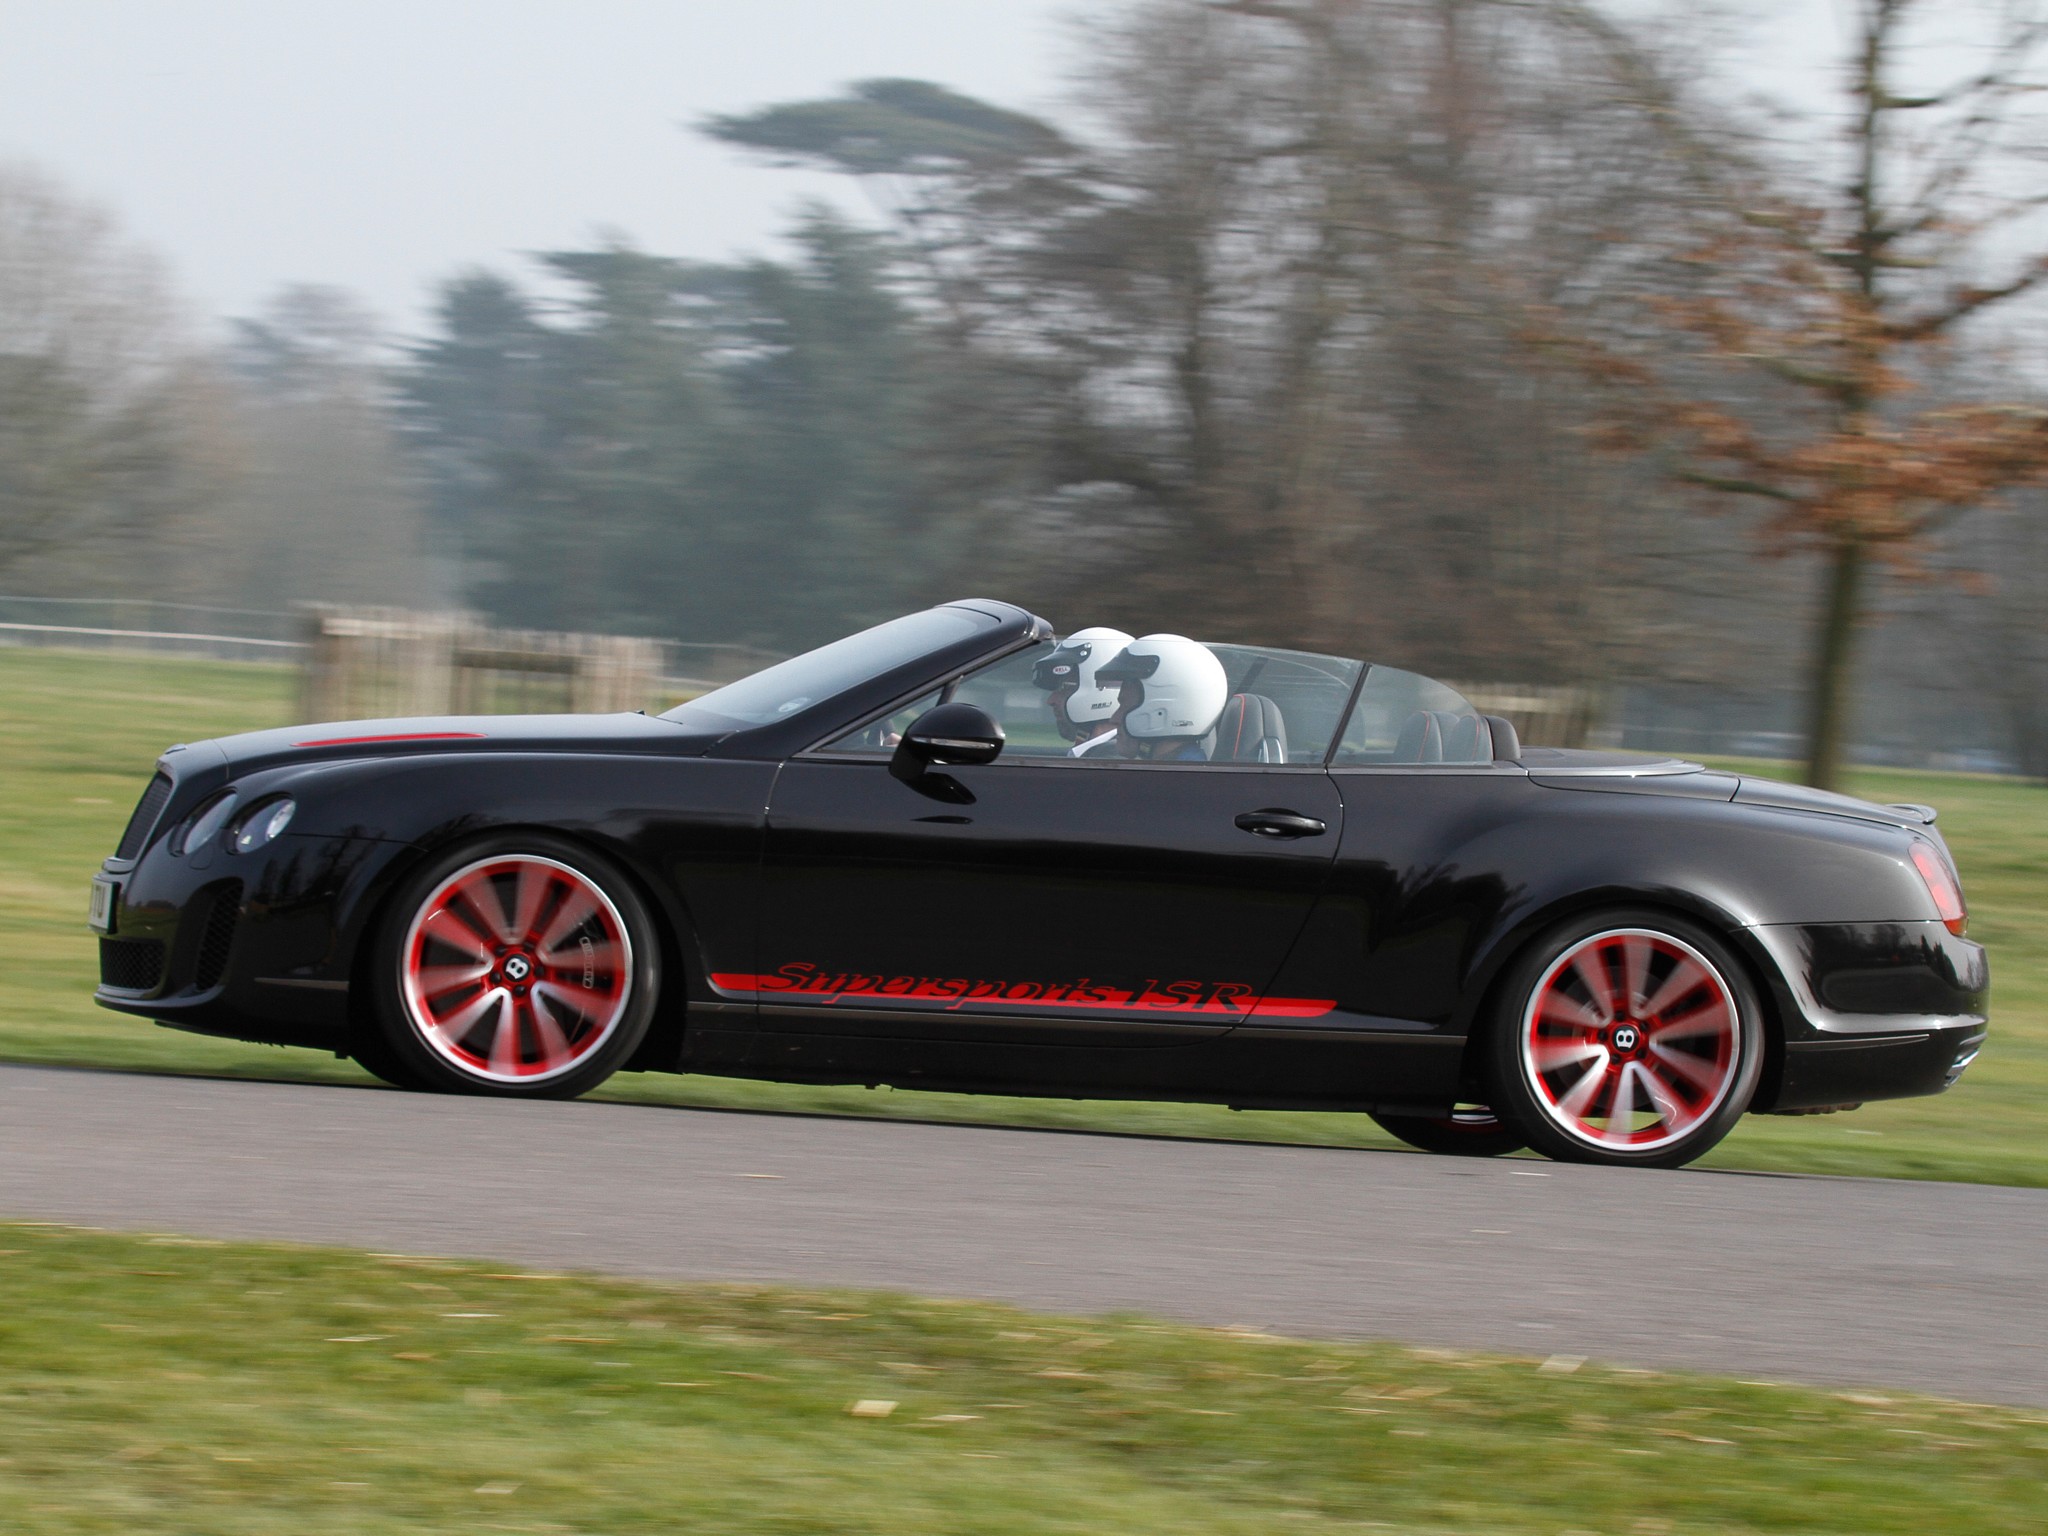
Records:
x=1083, y=710
x=1171, y=692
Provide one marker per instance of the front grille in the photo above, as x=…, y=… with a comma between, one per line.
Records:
x=217, y=938
x=143, y=822
x=133, y=965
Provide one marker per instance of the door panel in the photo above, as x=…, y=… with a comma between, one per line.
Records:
x=1060, y=901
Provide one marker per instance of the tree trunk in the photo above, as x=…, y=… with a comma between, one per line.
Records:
x=1827, y=718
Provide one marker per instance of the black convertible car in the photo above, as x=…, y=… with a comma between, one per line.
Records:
x=896, y=860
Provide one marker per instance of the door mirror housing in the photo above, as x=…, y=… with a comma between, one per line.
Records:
x=947, y=735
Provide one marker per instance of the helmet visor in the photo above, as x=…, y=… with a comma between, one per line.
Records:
x=1128, y=667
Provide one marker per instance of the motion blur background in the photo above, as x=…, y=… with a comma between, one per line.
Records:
x=747, y=325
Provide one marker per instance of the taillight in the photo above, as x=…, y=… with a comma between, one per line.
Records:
x=1941, y=885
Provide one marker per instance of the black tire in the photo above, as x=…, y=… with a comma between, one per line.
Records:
x=1621, y=1014
x=374, y=1055
x=1471, y=1130
x=521, y=965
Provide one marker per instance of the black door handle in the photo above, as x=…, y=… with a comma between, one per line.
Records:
x=1279, y=823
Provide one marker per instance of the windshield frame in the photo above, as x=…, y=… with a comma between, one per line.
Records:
x=1007, y=627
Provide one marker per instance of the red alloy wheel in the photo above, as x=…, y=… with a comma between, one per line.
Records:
x=516, y=969
x=1631, y=1040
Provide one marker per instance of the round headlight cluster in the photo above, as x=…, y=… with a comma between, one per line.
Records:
x=265, y=821
x=205, y=823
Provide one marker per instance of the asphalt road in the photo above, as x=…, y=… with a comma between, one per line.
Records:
x=1941, y=1287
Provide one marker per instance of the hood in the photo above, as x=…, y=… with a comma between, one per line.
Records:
x=624, y=733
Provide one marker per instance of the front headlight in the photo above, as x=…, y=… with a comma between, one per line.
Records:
x=264, y=823
x=204, y=825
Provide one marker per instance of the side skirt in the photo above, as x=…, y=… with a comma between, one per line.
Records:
x=1245, y=1069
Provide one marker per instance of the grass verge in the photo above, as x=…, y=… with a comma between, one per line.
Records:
x=78, y=734
x=163, y=1384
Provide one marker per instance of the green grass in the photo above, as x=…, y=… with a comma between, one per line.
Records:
x=169, y=1385
x=78, y=735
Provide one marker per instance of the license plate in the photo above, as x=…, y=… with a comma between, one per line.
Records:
x=100, y=915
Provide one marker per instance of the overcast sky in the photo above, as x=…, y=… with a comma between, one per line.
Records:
x=382, y=144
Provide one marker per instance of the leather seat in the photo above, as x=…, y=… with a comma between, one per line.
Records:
x=1439, y=736
x=1421, y=739
x=1251, y=730
x=1466, y=740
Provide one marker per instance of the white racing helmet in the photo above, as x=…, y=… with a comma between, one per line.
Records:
x=1069, y=675
x=1184, y=687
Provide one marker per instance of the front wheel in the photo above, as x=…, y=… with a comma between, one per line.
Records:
x=521, y=965
x=1470, y=1130
x=1627, y=1038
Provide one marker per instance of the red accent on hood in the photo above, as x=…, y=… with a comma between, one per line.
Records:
x=358, y=741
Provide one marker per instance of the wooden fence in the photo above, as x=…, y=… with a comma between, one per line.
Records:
x=367, y=663
x=1542, y=717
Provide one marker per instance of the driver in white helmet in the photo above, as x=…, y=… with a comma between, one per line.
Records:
x=1083, y=709
x=1171, y=693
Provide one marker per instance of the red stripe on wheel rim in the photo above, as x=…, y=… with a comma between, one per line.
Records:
x=516, y=969
x=1630, y=1040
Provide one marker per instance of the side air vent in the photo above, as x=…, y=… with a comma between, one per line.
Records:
x=132, y=965
x=143, y=822
x=217, y=938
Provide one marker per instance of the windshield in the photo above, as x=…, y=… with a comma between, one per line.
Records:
x=790, y=686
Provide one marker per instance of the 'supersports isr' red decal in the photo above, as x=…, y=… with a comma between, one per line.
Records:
x=1230, y=999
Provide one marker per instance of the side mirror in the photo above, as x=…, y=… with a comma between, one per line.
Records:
x=950, y=734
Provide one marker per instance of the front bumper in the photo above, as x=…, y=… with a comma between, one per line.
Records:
x=252, y=946
x=1871, y=1011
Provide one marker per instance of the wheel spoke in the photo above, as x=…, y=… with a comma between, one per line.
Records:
x=463, y=911
x=1576, y=1102
x=458, y=1024
x=1672, y=1113
x=1555, y=1055
x=584, y=1002
x=534, y=886
x=1688, y=1069
x=1591, y=969
x=562, y=926
x=504, y=1057
x=1636, y=953
x=555, y=1049
x=439, y=982
x=1621, y=1112
x=1684, y=977
x=1709, y=1019
x=445, y=928
x=1560, y=1008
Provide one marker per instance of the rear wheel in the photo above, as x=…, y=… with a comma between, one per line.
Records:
x=1470, y=1130
x=1627, y=1038
x=521, y=965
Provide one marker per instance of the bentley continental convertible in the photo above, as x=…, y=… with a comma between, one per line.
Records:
x=957, y=851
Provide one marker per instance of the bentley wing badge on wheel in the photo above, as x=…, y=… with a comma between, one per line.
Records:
x=957, y=851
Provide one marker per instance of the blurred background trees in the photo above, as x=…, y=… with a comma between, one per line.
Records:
x=1813, y=354
x=1259, y=338
x=109, y=419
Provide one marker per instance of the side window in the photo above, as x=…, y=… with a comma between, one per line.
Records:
x=883, y=734
x=1403, y=717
